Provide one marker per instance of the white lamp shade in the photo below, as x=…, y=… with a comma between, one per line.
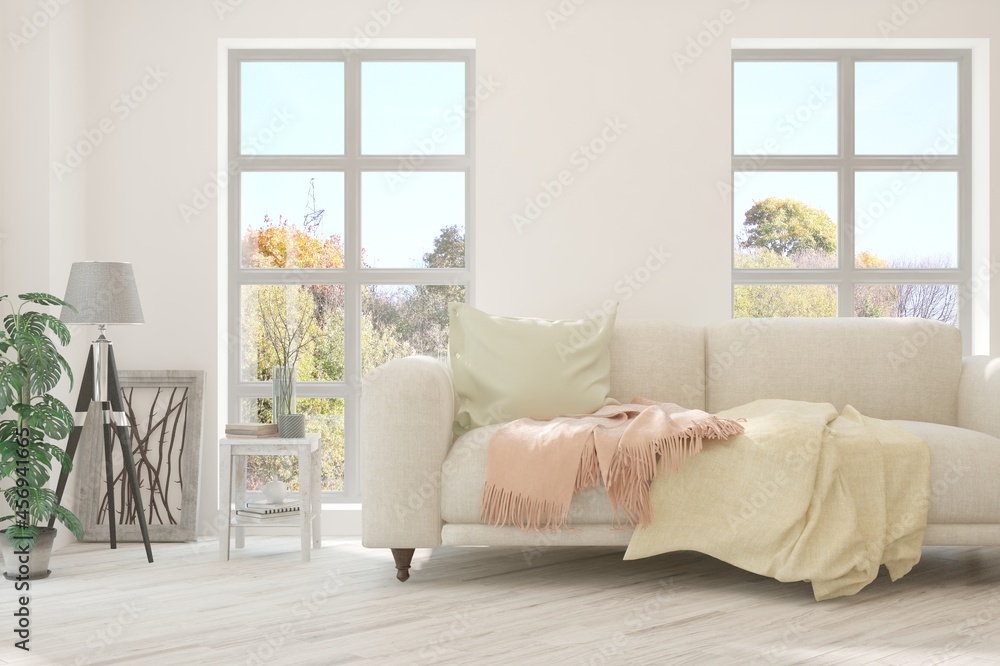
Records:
x=103, y=292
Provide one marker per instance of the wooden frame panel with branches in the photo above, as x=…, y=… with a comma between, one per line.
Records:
x=163, y=410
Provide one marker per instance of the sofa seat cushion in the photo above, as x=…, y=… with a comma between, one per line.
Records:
x=965, y=474
x=965, y=467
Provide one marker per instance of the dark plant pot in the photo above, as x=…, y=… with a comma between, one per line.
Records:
x=37, y=566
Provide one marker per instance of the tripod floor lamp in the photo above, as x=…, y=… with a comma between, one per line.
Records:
x=104, y=293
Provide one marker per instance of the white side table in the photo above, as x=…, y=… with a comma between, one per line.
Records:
x=308, y=449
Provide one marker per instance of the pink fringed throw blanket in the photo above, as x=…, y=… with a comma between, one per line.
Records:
x=534, y=467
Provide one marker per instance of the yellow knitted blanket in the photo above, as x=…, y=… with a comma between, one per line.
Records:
x=804, y=494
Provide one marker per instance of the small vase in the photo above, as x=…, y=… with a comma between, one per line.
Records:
x=274, y=491
x=283, y=385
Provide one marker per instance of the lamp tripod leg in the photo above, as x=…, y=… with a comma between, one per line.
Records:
x=110, y=475
x=118, y=408
x=133, y=482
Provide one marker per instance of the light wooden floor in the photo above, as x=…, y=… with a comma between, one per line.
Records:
x=579, y=606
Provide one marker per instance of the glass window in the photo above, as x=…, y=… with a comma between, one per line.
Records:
x=906, y=108
x=402, y=220
x=784, y=300
x=785, y=108
x=292, y=108
x=906, y=219
x=851, y=204
x=785, y=219
x=291, y=219
x=412, y=108
x=343, y=256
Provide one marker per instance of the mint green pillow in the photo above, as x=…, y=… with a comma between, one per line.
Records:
x=506, y=368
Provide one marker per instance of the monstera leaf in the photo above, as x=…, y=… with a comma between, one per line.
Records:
x=30, y=367
x=49, y=415
x=12, y=378
x=38, y=354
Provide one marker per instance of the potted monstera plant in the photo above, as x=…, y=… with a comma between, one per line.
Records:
x=30, y=367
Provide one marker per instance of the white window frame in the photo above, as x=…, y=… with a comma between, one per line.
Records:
x=352, y=276
x=845, y=163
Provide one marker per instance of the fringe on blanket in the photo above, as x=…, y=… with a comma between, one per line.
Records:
x=632, y=469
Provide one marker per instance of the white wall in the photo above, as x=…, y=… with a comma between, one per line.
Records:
x=655, y=186
x=44, y=218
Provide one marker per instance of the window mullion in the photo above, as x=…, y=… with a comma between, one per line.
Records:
x=846, y=235
x=352, y=290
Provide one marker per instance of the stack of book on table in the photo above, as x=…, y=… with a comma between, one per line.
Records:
x=252, y=430
x=264, y=511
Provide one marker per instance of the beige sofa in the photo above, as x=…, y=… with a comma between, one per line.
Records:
x=421, y=489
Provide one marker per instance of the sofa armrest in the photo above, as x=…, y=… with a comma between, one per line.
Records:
x=979, y=394
x=407, y=411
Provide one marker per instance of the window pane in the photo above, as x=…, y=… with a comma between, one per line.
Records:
x=906, y=219
x=300, y=325
x=292, y=219
x=413, y=220
x=292, y=108
x=906, y=108
x=401, y=320
x=413, y=108
x=929, y=301
x=323, y=415
x=784, y=300
x=785, y=219
x=785, y=108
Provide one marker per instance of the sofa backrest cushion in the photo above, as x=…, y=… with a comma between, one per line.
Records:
x=886, y=368
x=659, y=361
x=506, y=368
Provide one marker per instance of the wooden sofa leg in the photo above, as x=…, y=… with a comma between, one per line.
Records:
x=403, y=556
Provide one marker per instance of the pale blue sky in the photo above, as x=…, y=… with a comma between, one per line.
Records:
x=292, y=108
x=900, y=108
x=411, y=109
